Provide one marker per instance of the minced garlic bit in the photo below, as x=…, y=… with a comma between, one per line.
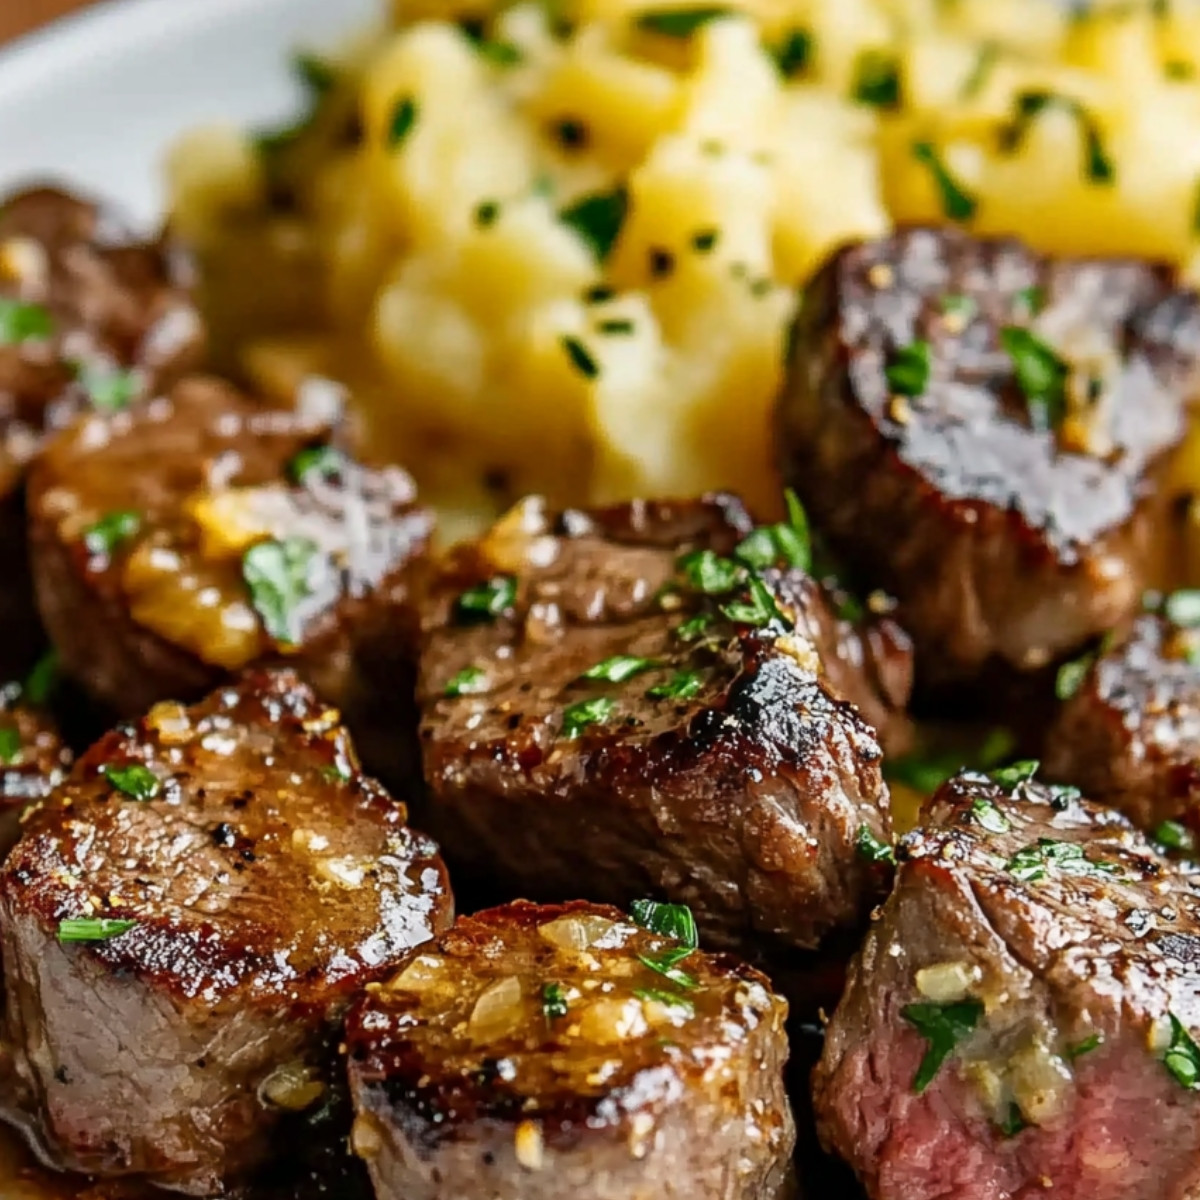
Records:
x=948, y=982
x=529, y=1146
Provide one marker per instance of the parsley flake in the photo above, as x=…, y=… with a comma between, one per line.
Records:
x=1071, y=675
x=554, y=1002
x=486, y=601
x=315, y=460
x=1098, y=167
x=679, y=22
x=1086, y=1046
x=110, y=531
x=961, y=308
x=908, y=371
x=759, y=610
x=988, y=816
x=707, y=572
x=674, y=921
x=693, y=627
x=41, y=680
x=792, y=53
x=619, y=668
x=790, y=543
x=1033, y=863
x=470, y=681
x=683, y=685
x=666, y=965
x=597, y=219
x=110, y=391
x=1041, y=375
x=658, y=996
x=91, y=929
x=10, y=745
x=581, y=360
x=1013, y=1121
x=23, y=322
x=1015, y=774
x=877, y=79
x=577, y=717
x=278, y=576
x=1182, y=1058
x=957, y=204
x=871, y=848
x=1175, y=836
x=404, y=117
x=943, y=1026
x=135, y=780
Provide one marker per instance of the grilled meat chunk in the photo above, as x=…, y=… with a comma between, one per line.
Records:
x=984, y=432
x=185, y=920
x=1020, y=1021
x=1128, y=732
x=33, y=760
x=179, y=541
x=89, y=315
x=542, y=1051
x=612, y=705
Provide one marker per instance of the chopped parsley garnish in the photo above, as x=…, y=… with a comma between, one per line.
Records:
x=758, y=610
x=136, y=781
x=704, y=240
x=683, y=685
x=674, y=921
x=693, y=627
x=470, y=681
x=679, y=22
x=336, y=772
x=92, y=929
x=111, y=530
x=486, y=213
x=789, y=543
x=989, y=816
x=110, y=391
x=927, y=772
x=1013, y=1121
x=404, y=117
x=278, y=576
x=791, y=54
x=42, y=680
x=554, y=1001
x=908, y=371
x=957, y=204
x=577, y=717
x=658, y=996
x=666, y=963
x=23, y=322
x=1182, y=1058
x=877, y=79
x=942, y=1026
x=1098, y=167
x=1086, y=1046
x=871, y=848
x=1033, y=863
x=1015, y=774
x=598, y=219
x=486, y=601
x=615, y=325
x=498, y=53
x=322, y=460
x=989, y=55
x=619, y=668
x=1041, y=376
x=581, y=360
x=1032, y=299
x=1175, y=836
x=1062, y=796
x=10, y=745
x=707, y=572
x=1182, y=608
x=961, y=308
x=1071, y=675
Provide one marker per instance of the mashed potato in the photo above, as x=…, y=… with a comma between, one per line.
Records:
x=556, y=246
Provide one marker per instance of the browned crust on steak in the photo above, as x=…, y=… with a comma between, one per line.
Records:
x=1004, y=544
x=138, y=624
x=744, y=800
x=1129, y=735
x=267, y=880
x=642, y=1086
x=1061, y=1087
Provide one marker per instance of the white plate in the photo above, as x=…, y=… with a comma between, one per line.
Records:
x=95, y=100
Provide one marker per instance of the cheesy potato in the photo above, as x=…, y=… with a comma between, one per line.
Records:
x=556, y=246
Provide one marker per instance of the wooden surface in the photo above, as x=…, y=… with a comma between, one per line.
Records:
x=19, y=16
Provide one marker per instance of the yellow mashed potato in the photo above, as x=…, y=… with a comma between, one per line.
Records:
x=555, y=246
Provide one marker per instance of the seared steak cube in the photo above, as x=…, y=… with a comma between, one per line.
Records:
x=1128, y=732
x=1021, y=1019
x=179, y=541
x=984, y=432
x=535, y=1052
x=185, y=921
x=613, y=703
x=89, y=315
x=33, y=759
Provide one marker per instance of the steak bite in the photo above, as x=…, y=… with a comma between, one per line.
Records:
x=984, y=433
x=1020, y=1020
x=182, y=540
x=1128, y=732
x=89, y=315
x=536, y=1052
x=33, y=759
x=186, y=919
x=617, y=703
